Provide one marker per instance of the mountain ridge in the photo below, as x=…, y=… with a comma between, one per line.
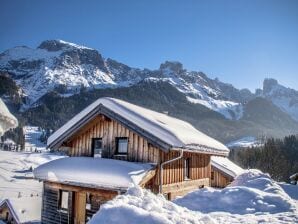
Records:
x=70, y=70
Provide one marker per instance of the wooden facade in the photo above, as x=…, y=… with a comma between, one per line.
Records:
x=139, y=150
x=7, y=214
x=219, y=179
x=77, y=201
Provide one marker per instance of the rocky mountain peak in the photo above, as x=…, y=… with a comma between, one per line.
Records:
x=172, y=66
x=57, y=45
x=268, y=85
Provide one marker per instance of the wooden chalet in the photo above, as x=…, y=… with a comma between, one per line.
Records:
x=112, y=138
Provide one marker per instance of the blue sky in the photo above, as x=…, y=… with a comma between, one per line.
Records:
x=240, y=42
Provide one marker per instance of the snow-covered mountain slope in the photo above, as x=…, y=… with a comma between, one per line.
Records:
x=67, y=68
x=285, y=98
x=57, y=64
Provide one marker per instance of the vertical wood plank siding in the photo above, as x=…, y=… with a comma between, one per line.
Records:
x=219, y=179
x=139, y=150
x=50, y=213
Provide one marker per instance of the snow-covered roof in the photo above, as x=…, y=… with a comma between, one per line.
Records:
x=22, y=211
x=93, y=172
x=158, y=128
x=11, y=209
x=7, y=120
x=225, y=165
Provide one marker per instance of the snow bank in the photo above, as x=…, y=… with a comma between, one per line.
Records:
x=226, y=166
x=93, y=172
x=174, y=132
x=291, y=190
x=7, y=120
x=141, y=206
x=250, y=193
x=253, y=198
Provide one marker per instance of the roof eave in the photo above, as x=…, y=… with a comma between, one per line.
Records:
x=86, y=185
x=101, y=109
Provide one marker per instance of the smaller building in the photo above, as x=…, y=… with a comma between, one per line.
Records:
x=76, y=187
x=20, y=210
x=7, y=213
x=223, y=171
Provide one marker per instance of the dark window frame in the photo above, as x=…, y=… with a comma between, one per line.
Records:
x=117, y=145
x=93, y=145
x=187, y=162
x=60, y=200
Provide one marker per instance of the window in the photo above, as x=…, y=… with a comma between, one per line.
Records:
x=93, y=203
x=96, y=147
x=187, y=169
x=212, y=175
x=63, y=200
x=89, y=212
x=122, y=145
x=167, y=196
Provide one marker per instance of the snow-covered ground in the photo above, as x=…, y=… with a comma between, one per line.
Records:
x=32, y=139
x=252, y=198
x=17, y=183
x=245, y=142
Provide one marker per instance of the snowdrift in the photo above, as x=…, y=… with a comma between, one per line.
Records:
x=252, y=198
x=251, y=192
x=142, y=206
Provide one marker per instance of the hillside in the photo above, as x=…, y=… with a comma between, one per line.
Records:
x=47, y=85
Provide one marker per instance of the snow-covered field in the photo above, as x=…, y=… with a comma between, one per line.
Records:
x=32, y=139
x=17, y=183
x=252, y=198
x=245, y=142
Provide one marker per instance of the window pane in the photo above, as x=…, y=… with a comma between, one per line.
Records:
x=97, y=147
x=186, y=169
x=64, y=200
x=122, y=145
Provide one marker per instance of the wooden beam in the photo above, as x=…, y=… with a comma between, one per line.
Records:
x=147, y=177
x=186, y=185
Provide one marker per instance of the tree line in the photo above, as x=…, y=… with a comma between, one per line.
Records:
x=278, y=157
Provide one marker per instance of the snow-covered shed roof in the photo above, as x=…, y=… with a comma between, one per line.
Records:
x=160, y=129
x=93, y=172
x=225, y=165
x=24, y=209
x=7, y=120
x=7, y=203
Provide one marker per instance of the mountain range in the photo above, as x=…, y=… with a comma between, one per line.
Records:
x=47, y=85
